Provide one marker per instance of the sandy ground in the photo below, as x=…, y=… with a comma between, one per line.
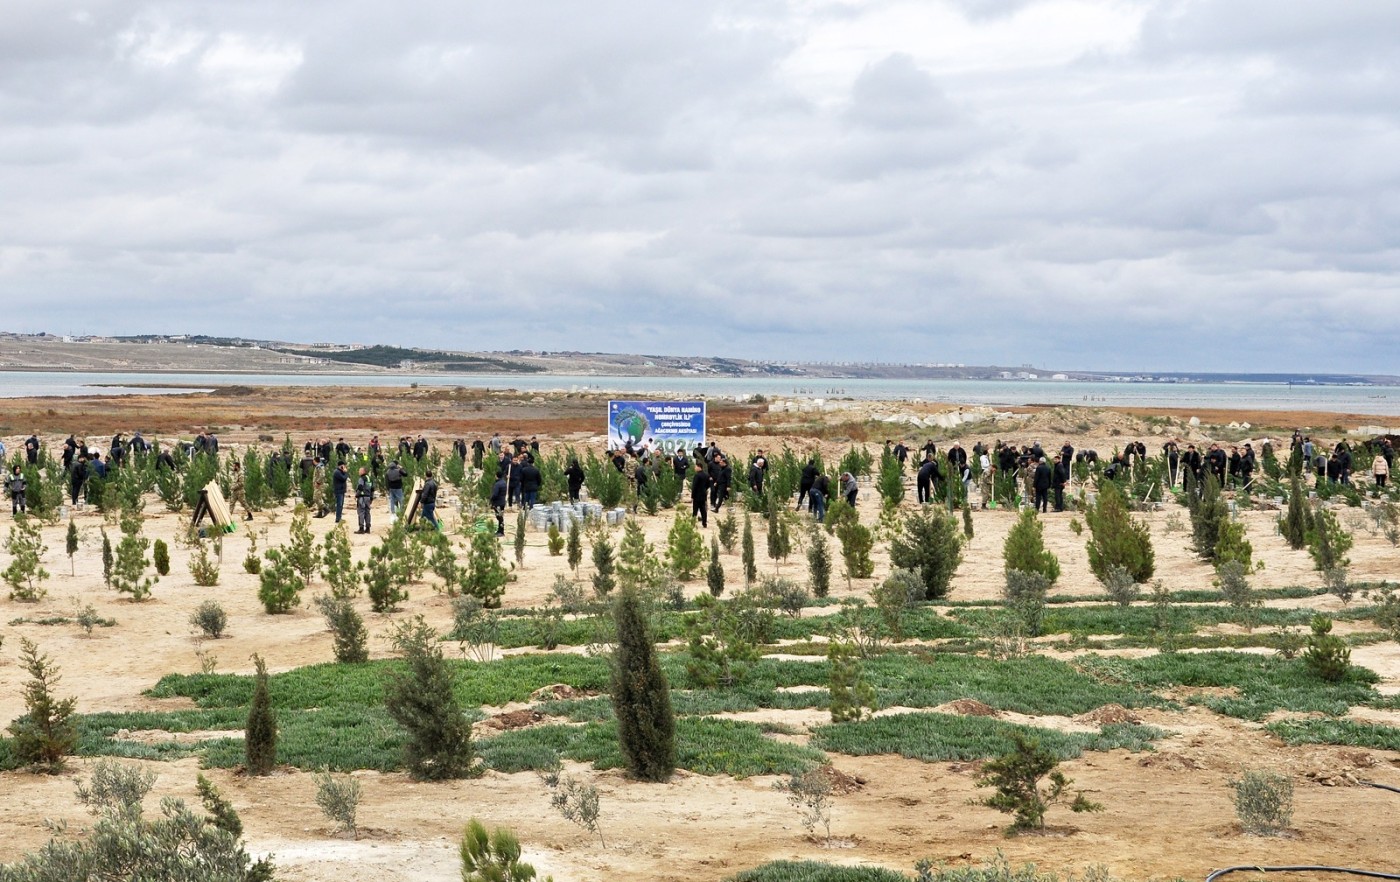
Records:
x=1169, y=813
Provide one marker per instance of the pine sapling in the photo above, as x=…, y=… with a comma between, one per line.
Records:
x=260, y=734
x=714, y=574
x=575, y=545
x=750, y=562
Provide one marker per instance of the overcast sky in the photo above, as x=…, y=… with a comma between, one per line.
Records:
x=1207, y=185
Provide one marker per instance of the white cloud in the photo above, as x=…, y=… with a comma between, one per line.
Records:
x=1207, y=184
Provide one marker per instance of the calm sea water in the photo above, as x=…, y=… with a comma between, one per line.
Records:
x=1378, y=400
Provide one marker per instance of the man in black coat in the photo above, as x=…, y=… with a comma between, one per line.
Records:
x=574, y=475
x=530, y=482
x=498, y=501
x=1042, y=485
x=700, y=494
x=1059, y=477
x=925, y=478
x=340, y=482
x=804, y=484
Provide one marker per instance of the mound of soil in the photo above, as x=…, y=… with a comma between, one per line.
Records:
x=1109, y=713
x=518, y=719
x=841, y=783
x=968, y=707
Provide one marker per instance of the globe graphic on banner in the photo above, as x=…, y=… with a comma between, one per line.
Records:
x=630, y=424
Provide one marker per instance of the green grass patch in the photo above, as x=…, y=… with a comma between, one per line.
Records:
x=704, y=746
x=934, y=737
x=1263, y=683
x=335, y=685
x=814, y=871
x=1134, y=621
x=1347, y=732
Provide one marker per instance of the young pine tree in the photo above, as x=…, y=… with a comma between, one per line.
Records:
x=108, y=559
x=930, y=546
x=70, y=543
x=779, y=539
x=420, y=697
x=685, y=548
x=520, y=539
x=260, y=734
x=575, y=545
x=818, y=562
x=1025, y=550
x=750, y=562
x=1117, y=540
x=46, y=733
x=485, y=576
x=1294, y=525
x=641, y=697
x=604, y=564
x=339, y=568
x=714, y=574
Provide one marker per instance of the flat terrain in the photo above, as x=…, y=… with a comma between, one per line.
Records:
x=1168, y=809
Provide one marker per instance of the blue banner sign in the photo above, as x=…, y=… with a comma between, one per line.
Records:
x=668, y=425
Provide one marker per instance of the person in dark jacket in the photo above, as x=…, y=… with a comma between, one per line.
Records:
x=925, y=478
x=364, y=495
x=849, y=488
x=804, y=484
x=723, y=481
x=478, y=452
x=530, y=482
x=574, y=475
x=342, y=449
x=77, y=477
x=31, y=449
x=340, y=484
x=17, y=487
x=1059, y=477
x=756, y=474
x=513, y=477
x=700, y=494
x=420, y=449
x=817, y=496
x=498, y=502
x=393, y=483
x=1042, y=486
x=427, y=500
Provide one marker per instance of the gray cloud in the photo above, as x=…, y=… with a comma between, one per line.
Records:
x=1200, y=185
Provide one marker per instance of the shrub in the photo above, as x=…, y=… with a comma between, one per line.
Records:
x=260, y=733
x=556, y=540
x=519, y=540
x=1327, y=655
x=1232, y=578
x=1016, y=778
x=221, y=812
x=493, y=857
x=252, y=563
x=1117, y=539
x=279, y=583
x=931, y=547
x=967, y=521
x=576, y=801
x=46, y=733
x=1208, y=514
x=893, y=597
x=122, y=844
x=25, y=575
x=810, y=793
x=338, y=797
x=1025, y=597
x=420, y=697
x=852, y=696
x=1024, y=549
x=1263, y=802
x=349, y=637
x=818, y=562
x=210, y=618
x=1121, y=586
x=641, y=697
x=685, y=549
x=203, y=568
x=160, y=554
x=301, y=551
x=720, y=641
